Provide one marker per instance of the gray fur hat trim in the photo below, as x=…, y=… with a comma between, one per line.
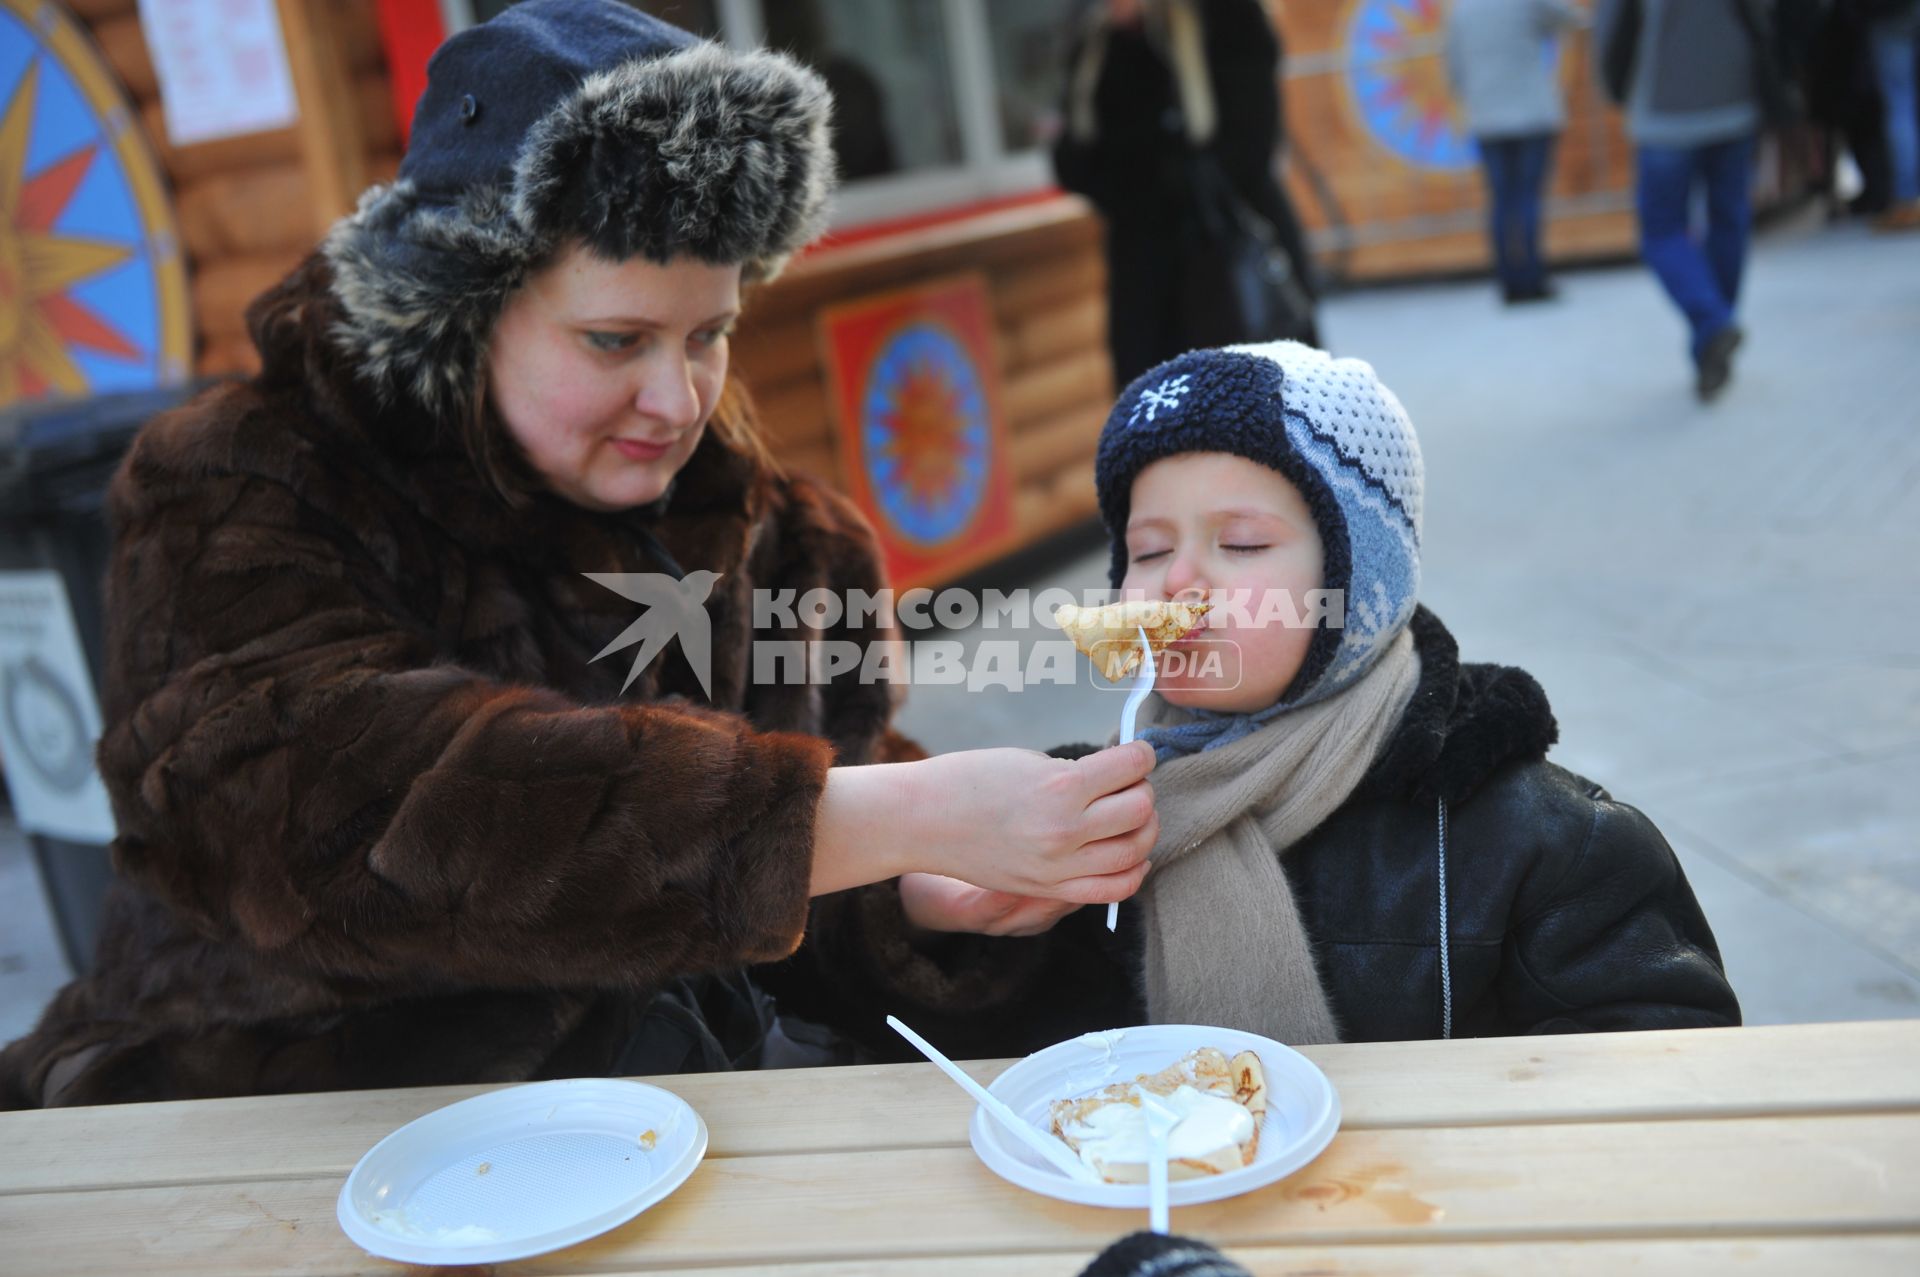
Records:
x=702, y=151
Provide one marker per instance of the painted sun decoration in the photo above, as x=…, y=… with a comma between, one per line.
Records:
x=93, y=294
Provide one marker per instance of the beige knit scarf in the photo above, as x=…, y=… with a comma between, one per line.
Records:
x=1224, y=941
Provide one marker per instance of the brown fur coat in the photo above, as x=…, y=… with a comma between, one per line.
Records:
x=382, y=821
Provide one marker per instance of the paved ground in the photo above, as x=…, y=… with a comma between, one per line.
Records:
x=1723, y=603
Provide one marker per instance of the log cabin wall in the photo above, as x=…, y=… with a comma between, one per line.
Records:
x=1047, y=281
x=250, y=208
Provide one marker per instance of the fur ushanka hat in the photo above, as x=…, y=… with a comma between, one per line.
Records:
x=564, y=119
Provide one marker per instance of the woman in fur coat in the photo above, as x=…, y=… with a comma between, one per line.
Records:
x=386, y=818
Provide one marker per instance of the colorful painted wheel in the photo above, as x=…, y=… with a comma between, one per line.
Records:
x=926, y=440
x=1396, y=70
x=93, y=293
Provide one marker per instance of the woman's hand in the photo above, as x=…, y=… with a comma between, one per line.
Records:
x=1008, y=820
x=937, y=903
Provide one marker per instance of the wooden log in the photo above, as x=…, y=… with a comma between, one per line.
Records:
x=333, y=143
x=228, y=357
x=1038, y=393
x=222, y=290
x=768, y=354
x=820, y=462
x=203, y=159
x=1077, y=326
x=1052, y=504
x=1043, y=450
x=124, y=45
x=93, y=12
x=358, y=24
x=795, y=413
x=246, y=211
x=1055, y=230
x=1040, y=286
x=373, y=100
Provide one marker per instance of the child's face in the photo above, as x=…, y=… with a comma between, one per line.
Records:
x=1207, y=522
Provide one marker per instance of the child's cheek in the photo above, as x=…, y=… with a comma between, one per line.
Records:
x=1141, y=581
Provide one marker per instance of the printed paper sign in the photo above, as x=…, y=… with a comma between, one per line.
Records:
x=222, y=67
x=49, y=721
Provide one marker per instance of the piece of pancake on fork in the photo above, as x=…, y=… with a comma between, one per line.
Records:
x=1110, y=635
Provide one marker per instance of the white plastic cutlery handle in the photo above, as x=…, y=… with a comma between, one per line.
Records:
x=1032, y=1136
x=1142, y=684
x=1160, y=1123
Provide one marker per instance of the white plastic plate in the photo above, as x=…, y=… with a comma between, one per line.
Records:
x=1303, y=1110
x=521, y=1171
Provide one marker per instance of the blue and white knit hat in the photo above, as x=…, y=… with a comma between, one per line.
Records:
x=1335, y=432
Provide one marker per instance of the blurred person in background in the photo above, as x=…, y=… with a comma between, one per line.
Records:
x=862, y=145
x=1698, y=79
x=1502, y=65
x=1896, y=47
x=1843, y=98
x=1139, y=72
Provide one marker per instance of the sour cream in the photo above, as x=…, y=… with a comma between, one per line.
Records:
x=1117, y=1133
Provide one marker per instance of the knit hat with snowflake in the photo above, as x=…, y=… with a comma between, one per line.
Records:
x=1335, y=432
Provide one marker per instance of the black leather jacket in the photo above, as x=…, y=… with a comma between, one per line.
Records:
x=1566, y=911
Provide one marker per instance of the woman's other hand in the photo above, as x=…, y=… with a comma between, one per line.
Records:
x=1008, y=820
x=934, y=902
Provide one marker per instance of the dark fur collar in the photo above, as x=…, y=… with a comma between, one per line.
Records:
x=1463, y=724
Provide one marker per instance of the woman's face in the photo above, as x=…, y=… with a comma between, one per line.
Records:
x=605, y=372
x=1206, y=524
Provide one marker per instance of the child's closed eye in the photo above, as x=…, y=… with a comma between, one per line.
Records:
x=1245, y=549
x=1148, y=556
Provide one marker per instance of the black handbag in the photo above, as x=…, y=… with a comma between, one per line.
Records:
x=1237, y=284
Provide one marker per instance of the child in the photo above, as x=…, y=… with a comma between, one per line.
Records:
x=1360, y=837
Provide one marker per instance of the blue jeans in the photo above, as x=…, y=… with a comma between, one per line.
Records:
x=1701, y=275
x=1894, y=53
x=1516, y=175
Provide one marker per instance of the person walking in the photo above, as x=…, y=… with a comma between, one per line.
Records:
x=1896, y=48
x=1156, y=91
x=1698, y=80
x=1843, y=100
x=1502, y=68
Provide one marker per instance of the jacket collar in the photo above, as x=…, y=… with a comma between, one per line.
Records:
x=1464, y=723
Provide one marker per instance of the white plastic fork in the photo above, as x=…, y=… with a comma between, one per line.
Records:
x=1142, y=684
x=1041, y=1142
x=1160, y=1123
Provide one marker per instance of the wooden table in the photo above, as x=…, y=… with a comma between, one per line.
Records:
x=1763, y=1150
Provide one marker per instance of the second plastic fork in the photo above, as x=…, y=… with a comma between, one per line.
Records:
x=1142, y=684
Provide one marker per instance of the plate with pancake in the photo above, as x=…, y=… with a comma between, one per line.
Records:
x=1255, y=1112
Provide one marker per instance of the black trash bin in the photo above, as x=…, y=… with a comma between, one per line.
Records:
x=55, y=462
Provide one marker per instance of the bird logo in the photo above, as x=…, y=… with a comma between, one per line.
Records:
x=674, y=609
